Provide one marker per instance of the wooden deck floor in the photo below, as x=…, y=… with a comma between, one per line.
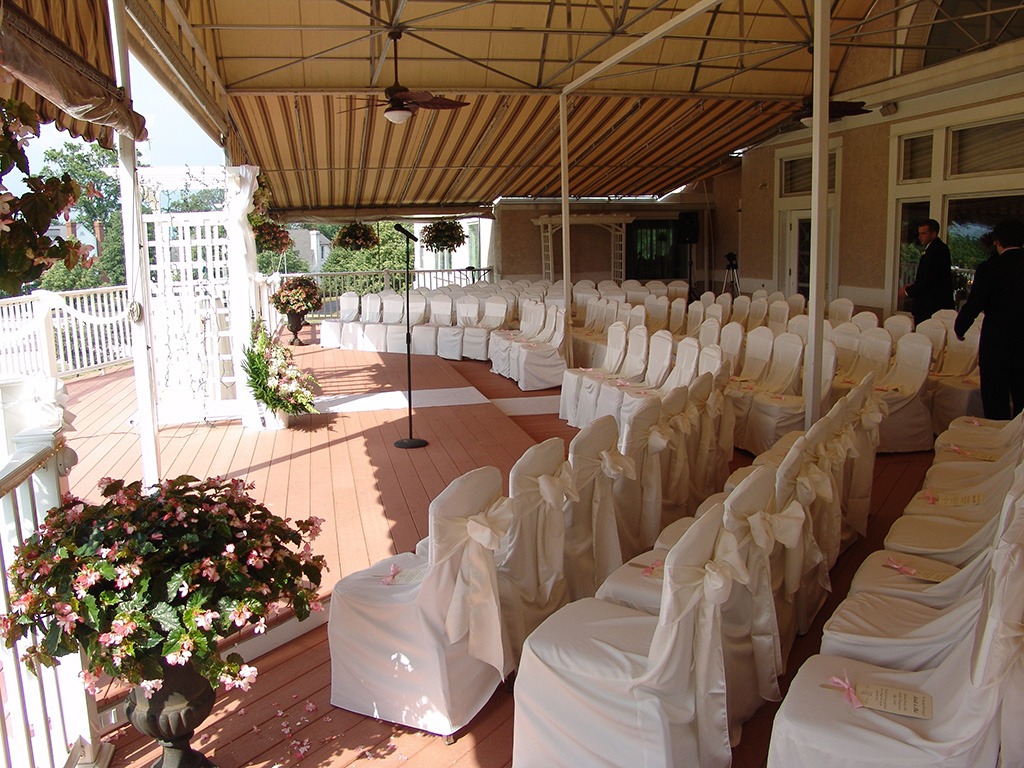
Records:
x=343, y=467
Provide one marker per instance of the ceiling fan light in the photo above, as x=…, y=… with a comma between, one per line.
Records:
x=397, y=115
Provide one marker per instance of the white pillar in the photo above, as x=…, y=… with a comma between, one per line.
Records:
x=136, y=267
x=819, y=213
x=563, y=134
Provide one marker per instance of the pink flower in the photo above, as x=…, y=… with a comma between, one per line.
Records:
x=67, y=620
x=261, y=626
x=126, y=574
x=149, y=687
x=205, y=619
x=208, y=569
x=244, y=680
x=241, y=614
x=85, y=579
x=315, y=526
x=316, y=606
x=90, y=681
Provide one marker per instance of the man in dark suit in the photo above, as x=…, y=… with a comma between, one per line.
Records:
x=998, y=291
x=932, y=288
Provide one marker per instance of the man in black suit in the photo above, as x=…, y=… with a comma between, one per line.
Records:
x=998, y=291
x=932, y=288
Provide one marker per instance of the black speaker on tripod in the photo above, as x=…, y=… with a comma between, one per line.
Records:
x=688, y=227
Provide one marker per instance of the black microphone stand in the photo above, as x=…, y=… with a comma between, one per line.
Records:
x=410, y=441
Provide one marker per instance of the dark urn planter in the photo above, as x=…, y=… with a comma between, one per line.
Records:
x=295, y=321
x=172, y=715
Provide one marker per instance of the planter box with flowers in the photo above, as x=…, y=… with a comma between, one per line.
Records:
x=146, y=582
x=281, y=387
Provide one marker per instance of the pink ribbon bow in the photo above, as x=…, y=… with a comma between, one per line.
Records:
x=649, y=570
x=390, y=578
x=975, y=422
x=957, y=449
x=899, y=567
x=930, y=497
x=848, y=690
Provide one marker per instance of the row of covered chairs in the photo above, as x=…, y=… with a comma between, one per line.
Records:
x=682, y=644
x=936, y=614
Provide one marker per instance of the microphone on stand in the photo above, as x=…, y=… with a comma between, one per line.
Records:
x=406, y=232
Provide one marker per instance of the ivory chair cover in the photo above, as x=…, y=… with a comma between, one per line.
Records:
x=659, y=365
x=874, y=350
x=685, y=442
x=581, y=297
x=726, y=426
x=778, y=316
x=531, y=570
x=615, y=353
x=532, y=317
x=374, y=336
x=760, y=293
x=637, y=316
x=935, y=331
x=984, y=434
x=678, y=289
x=542, y=365
x=757, y=313
x=974, y=503
x=673, y=425
x=632, y=369
x=352, y=330
x=725, y=302
x=707, y=298
x=819, y=726
x=956, y=389
x=656, y=287
x=393, y=318
x=677, y=317
x=635, y=293
x=592, y=550
x=426, y=649
x=707, y=451
x=716, y=311
x=948, y=539
x=800, y=325
x=864, y=413
x=797, y=304
x=450, y=337
x=898, y=326
x=684, y=368
x=756, y=360
x=775, y=296
x=710, y=331
x=740, y=310
x=782, y=378
x=656, y=308
x=694, y=317
x=554, y=324
x=840, y=311
x=332, y=332
x=638, y=498
x=945, y=316
x=773, y=415
x=750, y=632
x=475, y=338
x=731, y=342
x=846, y=337
x=605, y=685
x=907, y=425
x=865, y=320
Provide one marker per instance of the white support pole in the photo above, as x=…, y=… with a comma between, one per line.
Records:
x=136, y=261
x=819, y=213
x=563, y=131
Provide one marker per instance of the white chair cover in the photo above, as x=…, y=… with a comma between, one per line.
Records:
x=710, y=331
x=874, y=350
x=800, y=325
x=592, y=550
x=760, y=293
x=740, y=310
x=725, y=301
x=797, y=302
x=757, y=313
x=898, y=326
x=677, y=317
x=475, y=337
x=572, y=379
x=679, y=289
x=348, y=307
x=935, y=331
x=631, y=370
x=865, y=320
x=840, y=311
x=657, y=308
x=531, y=572
x=846, y=337
x=638, y=499
x=731, y=342
x=742, y=388
x=778, y=316
x=694, y=317
x=605, y=685
x=716, y=311
x=707, y=298
x=907, y=425
x=684, y=369
x=533, y=314
x=541, y=365
x=424, y=647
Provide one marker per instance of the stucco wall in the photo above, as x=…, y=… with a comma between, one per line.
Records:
x=863, y=207
x=755, y=219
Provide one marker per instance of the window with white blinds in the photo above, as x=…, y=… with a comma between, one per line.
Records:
x=796, y=175
x=916, y=158
x=987, y=148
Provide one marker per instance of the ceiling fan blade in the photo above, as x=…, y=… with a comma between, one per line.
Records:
x=370, y=104
x=417, y=96
x=440, y=102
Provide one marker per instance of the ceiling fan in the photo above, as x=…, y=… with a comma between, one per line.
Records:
x=403, y=103
x=837, y=110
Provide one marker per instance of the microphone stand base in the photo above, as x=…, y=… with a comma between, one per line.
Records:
x=411, y=442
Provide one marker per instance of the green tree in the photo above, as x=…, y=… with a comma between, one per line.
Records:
x=327, y=230
x=88, y=163
x=390, y=254
x=60, y=278
x=187, y=200
x=269, y=262
x=111, y=260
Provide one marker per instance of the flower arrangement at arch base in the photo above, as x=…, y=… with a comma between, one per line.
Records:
x=275, y=381
x=147, y=580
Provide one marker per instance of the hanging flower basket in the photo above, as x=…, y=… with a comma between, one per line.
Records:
x=271, y=236
x=443, y=236
x=356, y=236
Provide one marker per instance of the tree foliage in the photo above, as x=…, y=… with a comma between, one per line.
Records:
x=88, y=163
x=389, y=255
x=269, y=262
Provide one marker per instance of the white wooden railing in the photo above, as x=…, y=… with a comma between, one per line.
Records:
x=65, y=333
x=48, y=720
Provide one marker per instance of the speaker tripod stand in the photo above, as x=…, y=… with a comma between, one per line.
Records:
x=731, y=284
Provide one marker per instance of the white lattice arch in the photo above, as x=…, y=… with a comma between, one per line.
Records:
x=615, y=224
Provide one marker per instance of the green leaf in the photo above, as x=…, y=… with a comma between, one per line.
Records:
x=165, y=615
